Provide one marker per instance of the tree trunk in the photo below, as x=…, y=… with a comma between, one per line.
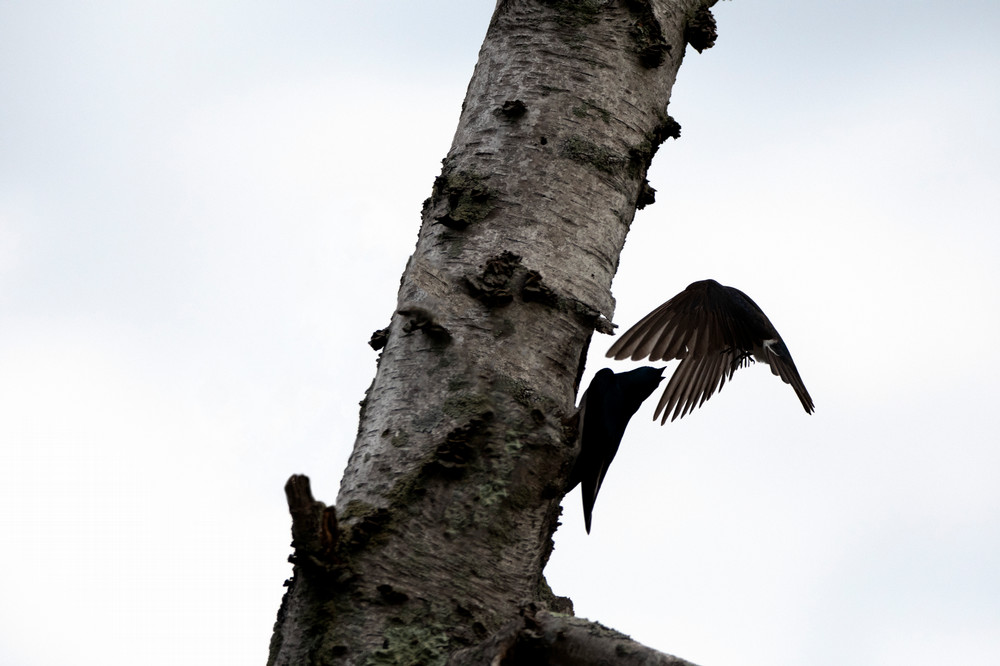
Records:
x=446, y=511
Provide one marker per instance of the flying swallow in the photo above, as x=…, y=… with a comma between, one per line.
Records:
x=605, y=410
x=713, y=330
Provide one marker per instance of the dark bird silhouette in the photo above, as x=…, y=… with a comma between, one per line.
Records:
x=713, y=330
x=605, y=410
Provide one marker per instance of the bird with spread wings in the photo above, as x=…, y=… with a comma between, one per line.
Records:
x=713, y=330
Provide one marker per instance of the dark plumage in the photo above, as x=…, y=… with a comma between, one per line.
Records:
x=605, y=409
x=713, y=330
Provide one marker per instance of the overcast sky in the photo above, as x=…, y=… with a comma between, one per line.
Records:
x=205, y=208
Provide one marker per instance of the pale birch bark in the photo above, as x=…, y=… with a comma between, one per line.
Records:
x=446, y=511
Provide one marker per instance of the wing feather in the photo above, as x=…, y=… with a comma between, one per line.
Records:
x=781, y=363
x=713, y=330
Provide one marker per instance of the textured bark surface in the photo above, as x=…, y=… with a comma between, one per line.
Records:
x=539, y=637
x=446, y=511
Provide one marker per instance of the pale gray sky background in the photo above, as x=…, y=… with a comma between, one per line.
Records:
x=205, y=208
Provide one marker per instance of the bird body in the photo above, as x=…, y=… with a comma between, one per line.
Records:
x=713, y=330
x=605, y=410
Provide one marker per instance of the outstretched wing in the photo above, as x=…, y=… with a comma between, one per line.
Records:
x=713, y=330
x=696, y=321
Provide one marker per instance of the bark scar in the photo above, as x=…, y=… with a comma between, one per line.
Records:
x=419, y=319
x=647, y=34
